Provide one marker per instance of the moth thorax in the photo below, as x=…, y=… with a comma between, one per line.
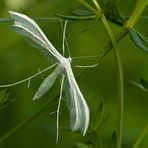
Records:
x=65, y=63
x=69, y=59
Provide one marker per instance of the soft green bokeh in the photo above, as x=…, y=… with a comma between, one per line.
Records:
x=18, y=60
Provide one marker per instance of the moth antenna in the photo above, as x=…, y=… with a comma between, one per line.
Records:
x=64, y=40
x=58, y=109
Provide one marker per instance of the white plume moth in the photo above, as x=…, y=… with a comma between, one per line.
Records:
x=79, y=111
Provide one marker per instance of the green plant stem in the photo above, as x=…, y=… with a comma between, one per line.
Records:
x=139, y=8
x=121, y=81
x=22, y=124
x=140, y=137
x=120, y=71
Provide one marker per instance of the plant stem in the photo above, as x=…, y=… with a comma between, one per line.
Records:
x=140, y=137
x=23, y=123
x=120, y=71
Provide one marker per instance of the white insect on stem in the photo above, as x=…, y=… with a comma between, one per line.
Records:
x=78, y=109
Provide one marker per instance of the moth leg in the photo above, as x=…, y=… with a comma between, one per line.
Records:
x=58, y=109
x=29, y=78
x=85, y=57
x=86, y=66
x=40, y=73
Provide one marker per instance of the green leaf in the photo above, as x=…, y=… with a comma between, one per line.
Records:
x=75, y=17
x=140, y=137
x=94, y=139
x=113, y=140
x=90, y=24
x=144, y=83
x=83, y=145
x=139, y=40
x=4, y=101
x=82, y=12
x=112, y=13
x=98, y=116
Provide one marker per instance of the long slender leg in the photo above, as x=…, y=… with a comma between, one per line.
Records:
x=41, y=74
x=86, y=66
x=83, y=57
x=29, y=78
x=58, y=109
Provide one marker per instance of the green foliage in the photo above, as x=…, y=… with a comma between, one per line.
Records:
x=98, y=116
x=144, y=83
x=82, y=145
x=4, y=99
x=85, y=36
x=139, y=40
x=113, y=140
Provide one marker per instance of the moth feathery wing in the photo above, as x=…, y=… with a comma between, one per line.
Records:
x=34, y=40
x=79, y=111
x=47, y=83
x=31, y=30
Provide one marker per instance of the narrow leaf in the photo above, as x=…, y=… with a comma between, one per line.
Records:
x=95, y=139
x=144, y=83
x=141, y=86
x=83, y=145
x=75, y=17
x=90, y=24
x=139, y=40
x=47, y=83
x=140, y=137
x=82, y=12
x=4, y=99
x=113, y=140
x=98, y=115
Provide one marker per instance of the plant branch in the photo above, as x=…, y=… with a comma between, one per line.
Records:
x=120, y=72
x=23, y=123
x=140, y=137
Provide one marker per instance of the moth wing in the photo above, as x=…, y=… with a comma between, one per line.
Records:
x=34, y=41
x=23, y=21
x=79, y=111
x=47, y=84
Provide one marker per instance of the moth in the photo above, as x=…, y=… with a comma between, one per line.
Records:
x=78, y=108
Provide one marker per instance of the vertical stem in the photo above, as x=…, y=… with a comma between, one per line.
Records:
x=121, y=83
x=120, y=72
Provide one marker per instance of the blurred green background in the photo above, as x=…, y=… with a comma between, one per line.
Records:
x=19, y=60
